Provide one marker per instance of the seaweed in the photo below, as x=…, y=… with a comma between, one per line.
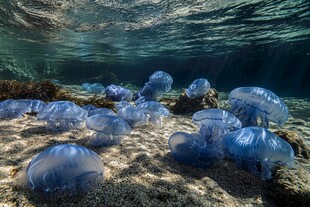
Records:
x=45, y=91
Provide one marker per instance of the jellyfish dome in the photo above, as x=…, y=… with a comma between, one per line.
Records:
x=95, y=88
x=192, y=149
x=143, y=99
x=214, y=124
x=11, y=109
x=85, y=86
x=133, y=116
x=65, y=169
x=109, y=130
x=256, y=106
x=258, y=150
x=122, y=104
x=198, y=88
x=103, y=111
x=155, y=110
x=35, y=105
x=162, y=79
x=62, y=115
x=118, y=93
x=159, y=82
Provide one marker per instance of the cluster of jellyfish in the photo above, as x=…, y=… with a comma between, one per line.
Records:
x=240, y=134
x=72, y=169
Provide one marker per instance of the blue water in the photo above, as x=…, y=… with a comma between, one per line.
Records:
x=230, y=42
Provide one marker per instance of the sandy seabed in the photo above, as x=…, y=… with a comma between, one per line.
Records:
x=139, y=172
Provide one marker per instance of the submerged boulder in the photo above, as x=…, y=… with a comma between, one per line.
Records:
x=291, y=187
x=186, y=105
x=297, y=143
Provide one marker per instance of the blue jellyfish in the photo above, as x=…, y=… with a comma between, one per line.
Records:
x=103, y=111
x=155, y=110
x=133, y=116
x=11, y=109
x=118, y=93
x=62, y=115
x=256, y=106
x=214, y=124
x=35, y=105
x=159, y=82
x=65, y=169
x=85, y=86
x=95, y=88
x=192, y=149
x=122, y=104
x=109, y=130
x=258, y=150
x=198, y=88
x=143, y=99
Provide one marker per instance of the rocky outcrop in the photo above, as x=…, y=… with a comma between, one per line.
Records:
x=185, y=105
x=297, y=143
x=291, y=187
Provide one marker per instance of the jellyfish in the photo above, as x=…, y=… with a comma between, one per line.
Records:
x=122, y=104
x=103, y=111
x=85, y=86
x=143, y=99
x=258, y=150
x=95, y=88
x=214, y=123
x=35, y=105
x=192, y=149
x=11, y=109
x=118, y=93
x=133, y=116
x=256, y=106
x=155, y=110
x=198, y=88
x=62, y=115
x=109, y=130
x=159, y=82
x=65, y=170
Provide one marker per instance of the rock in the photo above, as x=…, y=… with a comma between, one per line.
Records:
x=185, y=105
x=297, y=143
x=291, y=187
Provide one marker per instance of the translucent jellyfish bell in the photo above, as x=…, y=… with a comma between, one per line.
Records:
x=214, y=124
x=143, y=99
x=160, y=82
x=95, y=88
x=103, y=111
x=192, y=149
x=65, y=169
x=256, y=106
x=155, y=110
x=35, y=105
x=109, y=130
x=122, y=104
x=133, y=116
x=198, y=88
x=258, y=150
x=11, y=109
x=118, y=93
x=62, y=115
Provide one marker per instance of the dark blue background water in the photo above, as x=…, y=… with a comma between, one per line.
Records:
x=231, y=43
